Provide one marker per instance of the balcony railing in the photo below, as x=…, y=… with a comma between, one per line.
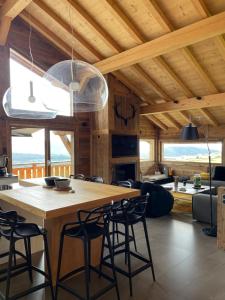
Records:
x=26, y=171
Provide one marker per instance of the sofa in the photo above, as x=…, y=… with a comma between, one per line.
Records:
x=201, y=202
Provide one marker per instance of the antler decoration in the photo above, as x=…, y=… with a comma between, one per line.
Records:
x=122, y=117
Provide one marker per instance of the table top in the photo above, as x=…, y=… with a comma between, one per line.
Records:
x=189, y=189
x=48, y=203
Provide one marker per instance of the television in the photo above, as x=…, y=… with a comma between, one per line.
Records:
x=124, y=145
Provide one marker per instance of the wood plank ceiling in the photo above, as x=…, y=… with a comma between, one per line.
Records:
x=164, y=51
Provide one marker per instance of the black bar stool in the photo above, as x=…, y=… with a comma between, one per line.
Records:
x=115, y=227
x=90, y=225
x=13, y=229
x=130, y=213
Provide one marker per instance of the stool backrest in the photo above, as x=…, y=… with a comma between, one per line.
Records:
x=95, y=216
x=8, y=218
x=136, y=205
x=126, y=184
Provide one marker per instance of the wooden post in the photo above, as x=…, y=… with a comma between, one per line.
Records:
x=4, y=84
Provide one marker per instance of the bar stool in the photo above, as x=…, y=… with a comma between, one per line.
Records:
x=13, y=230
x=90, y=225
x=115, y=227
x=130, y=213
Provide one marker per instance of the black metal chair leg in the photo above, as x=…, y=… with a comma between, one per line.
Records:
x=133, y=235
x=117, y=233
x=113, y=266
x=148, y=248
x=9, y=269
x=48, y=266
x=89, y=259
x=59, y=264
x=113, y=236
x=28, y=256
x=127, y=245
x=102, y=256
x=86, y=260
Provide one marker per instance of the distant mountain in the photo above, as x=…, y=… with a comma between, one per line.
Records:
x=189, y=151
x=29, y=158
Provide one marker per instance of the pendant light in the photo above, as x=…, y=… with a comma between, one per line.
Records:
x=189, y=132
x=30, y=98
x=86, y=86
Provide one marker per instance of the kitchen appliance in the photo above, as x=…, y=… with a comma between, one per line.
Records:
x=3, y=165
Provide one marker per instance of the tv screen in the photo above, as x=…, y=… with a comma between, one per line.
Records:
x=124, y=145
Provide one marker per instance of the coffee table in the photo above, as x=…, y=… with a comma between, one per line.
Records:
x=183, y=198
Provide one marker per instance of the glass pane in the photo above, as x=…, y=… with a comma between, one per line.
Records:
x=195, y=152
x=61, y=149
x=20, y=77
x=147, y=150
x=28, y=152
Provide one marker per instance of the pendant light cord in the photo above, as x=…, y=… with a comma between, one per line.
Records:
x=29, y=45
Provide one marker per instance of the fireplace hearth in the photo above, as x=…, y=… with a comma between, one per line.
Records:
x=124, y=172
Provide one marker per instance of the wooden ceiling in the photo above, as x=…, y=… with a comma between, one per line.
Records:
x=164, y=51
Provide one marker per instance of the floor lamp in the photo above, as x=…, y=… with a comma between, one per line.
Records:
x=190, y=132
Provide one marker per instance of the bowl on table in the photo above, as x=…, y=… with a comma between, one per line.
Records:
x=50, y=181
x=62, y=183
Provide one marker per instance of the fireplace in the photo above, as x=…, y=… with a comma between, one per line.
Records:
x=124, y=172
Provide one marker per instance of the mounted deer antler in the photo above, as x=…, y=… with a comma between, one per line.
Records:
x=122, y=117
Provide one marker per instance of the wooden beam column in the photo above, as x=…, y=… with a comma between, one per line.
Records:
x=4, y=84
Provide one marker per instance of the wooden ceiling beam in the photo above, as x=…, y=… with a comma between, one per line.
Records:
x=188, y=35
x=74, y=35
x=9, y=10
x=154, y=86
x=172, y=121
x=132, y=87
x=49, y=35
x=162, y=19
x=187, y=117
x=94, y=26
x=139, y=38
x=204, y=13
x=210, y=118
x=193, y=103
x=124, y=20
x=157, y=122
x=112, y=43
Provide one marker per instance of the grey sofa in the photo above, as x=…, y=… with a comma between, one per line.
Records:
x=201, y=201
x=201, y=208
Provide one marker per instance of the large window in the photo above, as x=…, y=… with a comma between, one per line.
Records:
x=57, y=98
x=147, y=150
x=193, y=152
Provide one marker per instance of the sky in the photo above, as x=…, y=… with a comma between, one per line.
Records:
x=212, y=146
x=46, y=93
x=35, y=144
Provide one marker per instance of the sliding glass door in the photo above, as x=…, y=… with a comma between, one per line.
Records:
x=61, y=153
x=38, y=152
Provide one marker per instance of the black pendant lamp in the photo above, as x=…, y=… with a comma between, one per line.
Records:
x=189, y=132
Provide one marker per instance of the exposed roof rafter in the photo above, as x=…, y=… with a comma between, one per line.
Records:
x=10, y=10
x=193, y=103
x=188, y=35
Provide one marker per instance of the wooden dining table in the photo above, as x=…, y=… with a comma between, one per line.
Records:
x=52, y=209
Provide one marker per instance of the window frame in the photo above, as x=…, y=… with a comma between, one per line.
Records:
x=189, y=162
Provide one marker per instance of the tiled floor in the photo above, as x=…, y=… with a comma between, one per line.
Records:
x=188, y=265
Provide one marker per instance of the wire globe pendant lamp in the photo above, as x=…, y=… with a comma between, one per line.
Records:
x=29, y=100
x=86, y=86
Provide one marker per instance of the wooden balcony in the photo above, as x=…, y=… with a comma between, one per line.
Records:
x=26, y=171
